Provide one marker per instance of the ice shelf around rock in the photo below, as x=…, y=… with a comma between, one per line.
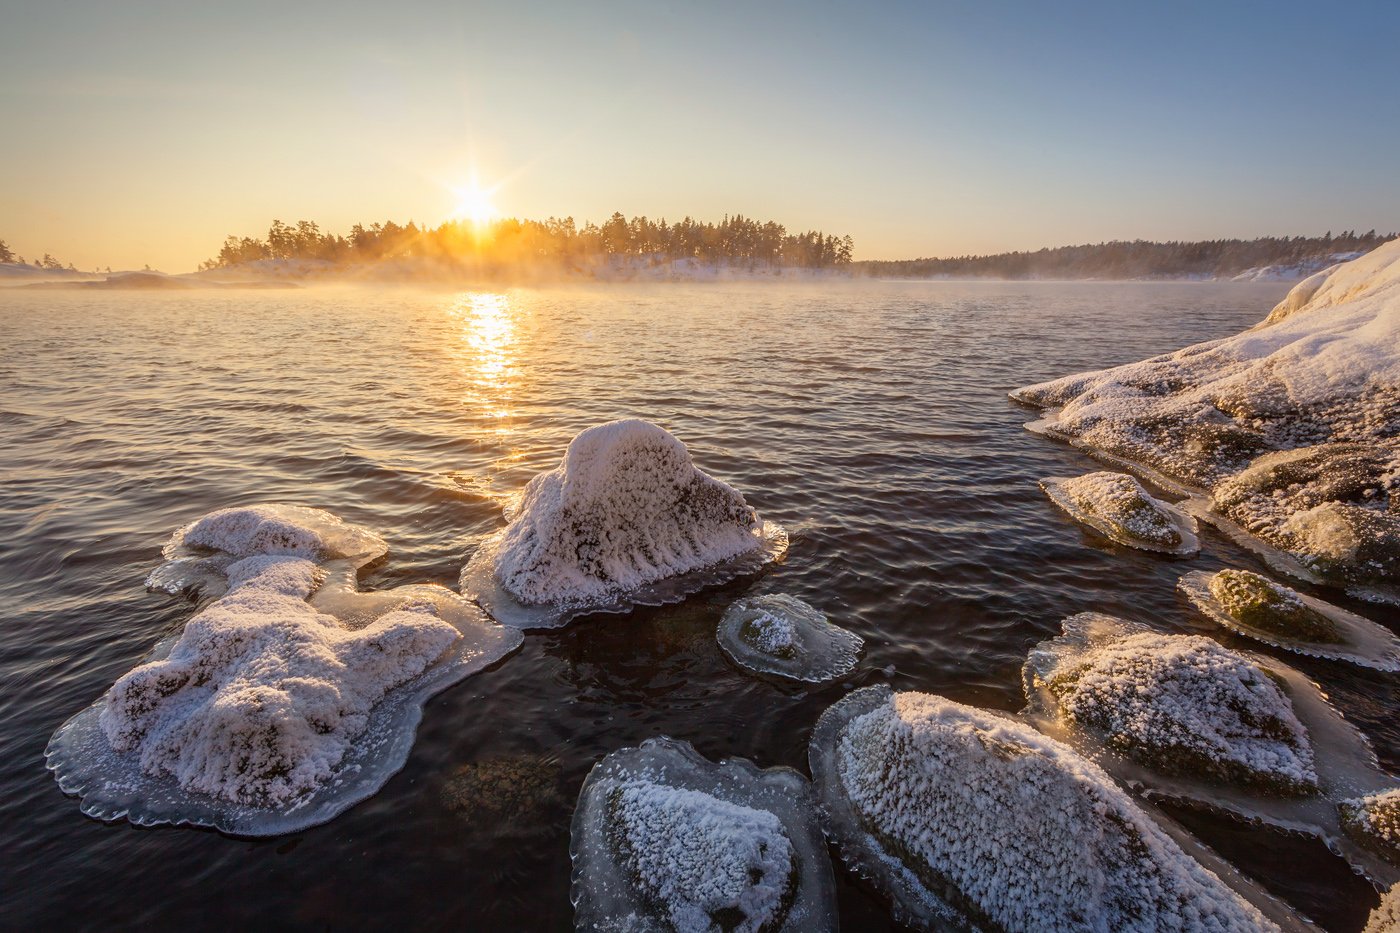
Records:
x=664, y=839
x=783, y=636
x=1172, y=716
x=1259, y=608
x=625, y=520
x=1290, y=430
x=284, y=701
x=970, y=818
x=1118, y=507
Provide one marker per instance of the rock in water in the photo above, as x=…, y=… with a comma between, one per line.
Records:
x=626, y=519
x=968, y=817
x=1293, y=427
x=665, y=840
x=1386, y=917
x=1116, y=506
x=284, y=701
x=1373, y=821
x=1179, y=704
x=783, y=636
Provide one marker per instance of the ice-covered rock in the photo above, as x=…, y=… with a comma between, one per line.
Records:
x=968, y=817
x=1374, y=822
x=783, y=636
x=1386, y=917
x=1259, y=608
x=1180, y=704
x=666, y=840
x=1292, y=427
x=626, y=519
x=282, y=702
x=1118, y=507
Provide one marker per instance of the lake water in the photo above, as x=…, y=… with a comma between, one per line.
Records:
x=869, y=419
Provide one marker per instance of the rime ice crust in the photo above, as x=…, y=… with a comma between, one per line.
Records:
x=785, y=637
x=1292, y=427
x=280, y=704
x=664, y=839
x=625, y=520
x=1374, y=822
x=1358, y=640
x=1116, y=506
x=1342, y=762
x=967, y=817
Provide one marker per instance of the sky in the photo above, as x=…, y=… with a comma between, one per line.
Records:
x=140, y=133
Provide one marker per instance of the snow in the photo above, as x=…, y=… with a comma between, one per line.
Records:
x=699, y=856
x=781, y=635
x=1311, y=396
x=970, y=818
x=1326, y=631
x=625, y=511
x=285, y=700
x=1117, y=506
x=664, y=839
x=1182, y=704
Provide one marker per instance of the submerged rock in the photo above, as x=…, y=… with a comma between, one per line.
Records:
x=626, y=519
x=1293, y=426
x=1374, y=822
x=285, y=700
x=1117, y=506
x=968, y=817
x=665, y=840
x=786, y=637
x=1179, y=704
x=1259, y=608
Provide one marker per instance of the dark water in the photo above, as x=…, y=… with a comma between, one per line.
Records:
x=871, y=421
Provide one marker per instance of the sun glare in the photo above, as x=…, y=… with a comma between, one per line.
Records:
x=474, y=204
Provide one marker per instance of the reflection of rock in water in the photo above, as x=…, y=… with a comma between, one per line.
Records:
x=507, y=794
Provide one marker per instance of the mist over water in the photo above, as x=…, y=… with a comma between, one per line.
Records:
x=870, y=420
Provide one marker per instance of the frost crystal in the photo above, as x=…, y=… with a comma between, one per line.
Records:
x=623, y=514
x=786, y=637
x=1293, y=426
x=1116, y=505
x=971, y=812
x=1374, y=822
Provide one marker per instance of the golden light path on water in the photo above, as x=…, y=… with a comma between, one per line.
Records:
x=488, y=351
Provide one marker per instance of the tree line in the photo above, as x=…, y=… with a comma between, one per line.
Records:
x=46, y=262
x=734, y=241
x=1136, y=259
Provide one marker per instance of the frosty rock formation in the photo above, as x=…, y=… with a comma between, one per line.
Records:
x=1116, y=506
x=783, y=636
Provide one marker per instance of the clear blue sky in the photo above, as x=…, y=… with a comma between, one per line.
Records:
x=144, y=132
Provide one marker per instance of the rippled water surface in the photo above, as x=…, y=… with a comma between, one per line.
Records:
x=870, y=420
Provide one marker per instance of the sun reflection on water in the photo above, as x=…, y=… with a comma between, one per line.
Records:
x=487, y=350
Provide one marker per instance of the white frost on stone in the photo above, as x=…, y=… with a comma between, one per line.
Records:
x=783, y=636
x=623, y=513
x=1307, y=404
x=1117, y=506
x=699, y=856
x=1181, y=704
x=1007, y=828
x=1386, y=917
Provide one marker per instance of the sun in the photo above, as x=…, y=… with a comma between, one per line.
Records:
x=474, y=204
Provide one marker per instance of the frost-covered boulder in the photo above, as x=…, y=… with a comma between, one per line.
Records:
x=968, y=817
x=626, y=519
x=282, y=702
x=1118, y=507
x=1259, y=608
x=1179, y=704
x=1373, y=821
x=666, y=840
x=1386, y=917
x=1292, y=427
x=785, y=637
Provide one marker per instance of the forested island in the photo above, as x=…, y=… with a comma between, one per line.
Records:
x=1277, y=258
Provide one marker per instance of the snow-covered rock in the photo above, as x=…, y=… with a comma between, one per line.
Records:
x=1118, y=507
x=625, y=519
x=783, y=636
x=1180, y=704
x=285, y=700
x=1259, y=608
x=1374, y=822
x=968, y=817
x=666, y=840
x=1292, y=427
x=1386, y=917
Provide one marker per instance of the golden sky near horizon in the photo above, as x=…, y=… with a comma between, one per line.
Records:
x=144, y=133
